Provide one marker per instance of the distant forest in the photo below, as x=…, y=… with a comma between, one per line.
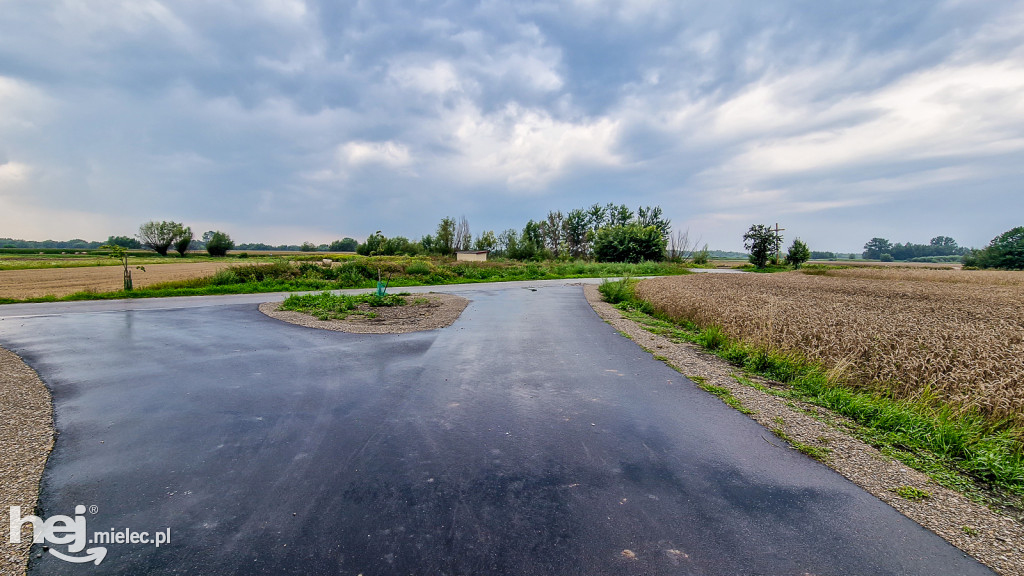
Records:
x=79, y=244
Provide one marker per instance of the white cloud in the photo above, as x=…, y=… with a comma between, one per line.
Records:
x=13, y=172
x=96, y=23
x=528, y=148
x=24, y=106
x=387, y=153
x=437, y=77
x=943, y=112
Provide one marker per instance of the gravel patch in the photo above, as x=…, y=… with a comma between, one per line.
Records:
x=439, y=311
x=993, y=539
x=26, y=437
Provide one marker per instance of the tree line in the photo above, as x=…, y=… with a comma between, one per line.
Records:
x=608, y=233
x=884, y=250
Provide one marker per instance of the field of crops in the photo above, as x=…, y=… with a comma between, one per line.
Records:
x=33, y=283
x=956, y=334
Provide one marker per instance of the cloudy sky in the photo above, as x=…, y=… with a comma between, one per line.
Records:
x=287, y=120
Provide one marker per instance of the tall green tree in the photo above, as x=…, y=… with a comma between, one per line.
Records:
x=875, y=247
x=184, y=240
x=553, y=229
x=1005, y=251
x=618, y=215
x=798, y=253
x=486, y=241
x=159, y=236
x=653, y=216
x=760, y=241
x=944, y=242
x=577, y=233
x=444, y=240
x=598, y=215
x=219, y=244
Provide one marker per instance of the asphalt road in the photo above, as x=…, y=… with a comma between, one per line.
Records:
x=527, y=438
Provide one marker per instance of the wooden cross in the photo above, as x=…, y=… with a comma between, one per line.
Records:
x=777, y=247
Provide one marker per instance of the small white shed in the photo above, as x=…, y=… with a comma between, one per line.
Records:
x=472, y=255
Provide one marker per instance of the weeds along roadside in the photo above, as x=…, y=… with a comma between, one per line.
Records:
x=981, y=458
x=363, y=272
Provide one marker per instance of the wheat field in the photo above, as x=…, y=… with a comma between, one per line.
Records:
x=956, y=334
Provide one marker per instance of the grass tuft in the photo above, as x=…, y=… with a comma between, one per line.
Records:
x=911, y=493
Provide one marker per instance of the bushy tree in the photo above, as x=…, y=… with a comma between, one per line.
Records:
x=798, y=253
x=875, y=247
x=399, y=245
x=184, y=241
x=159, y=236
x=428, y=244
x=629, y=243
x=308, y=247
x=1005, y=251
x=373, y=245
x=943, y=242
x=219, y=243
x=760, y=241
x=124, y=242
x=508, y=243
x=648, y=216
x=346, y=244
x=486, y=241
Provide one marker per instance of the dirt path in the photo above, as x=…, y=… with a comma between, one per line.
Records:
x=64, y=281
x=993, y=539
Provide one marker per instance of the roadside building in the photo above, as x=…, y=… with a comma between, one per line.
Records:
x=472, y=255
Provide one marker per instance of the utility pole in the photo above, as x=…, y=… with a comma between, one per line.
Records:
x=777, y=241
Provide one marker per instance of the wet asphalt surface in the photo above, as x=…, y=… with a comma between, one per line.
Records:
x=527, y=438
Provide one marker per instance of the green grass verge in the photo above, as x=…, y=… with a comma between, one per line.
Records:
x=282, y=275
x=963, y=451
x=724, y=394
x=328, y=306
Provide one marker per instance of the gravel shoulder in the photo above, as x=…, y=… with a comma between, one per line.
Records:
x=26, y=438
x=993, y=539
x=439, y=311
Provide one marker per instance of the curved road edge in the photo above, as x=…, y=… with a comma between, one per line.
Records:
x=26, y=438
